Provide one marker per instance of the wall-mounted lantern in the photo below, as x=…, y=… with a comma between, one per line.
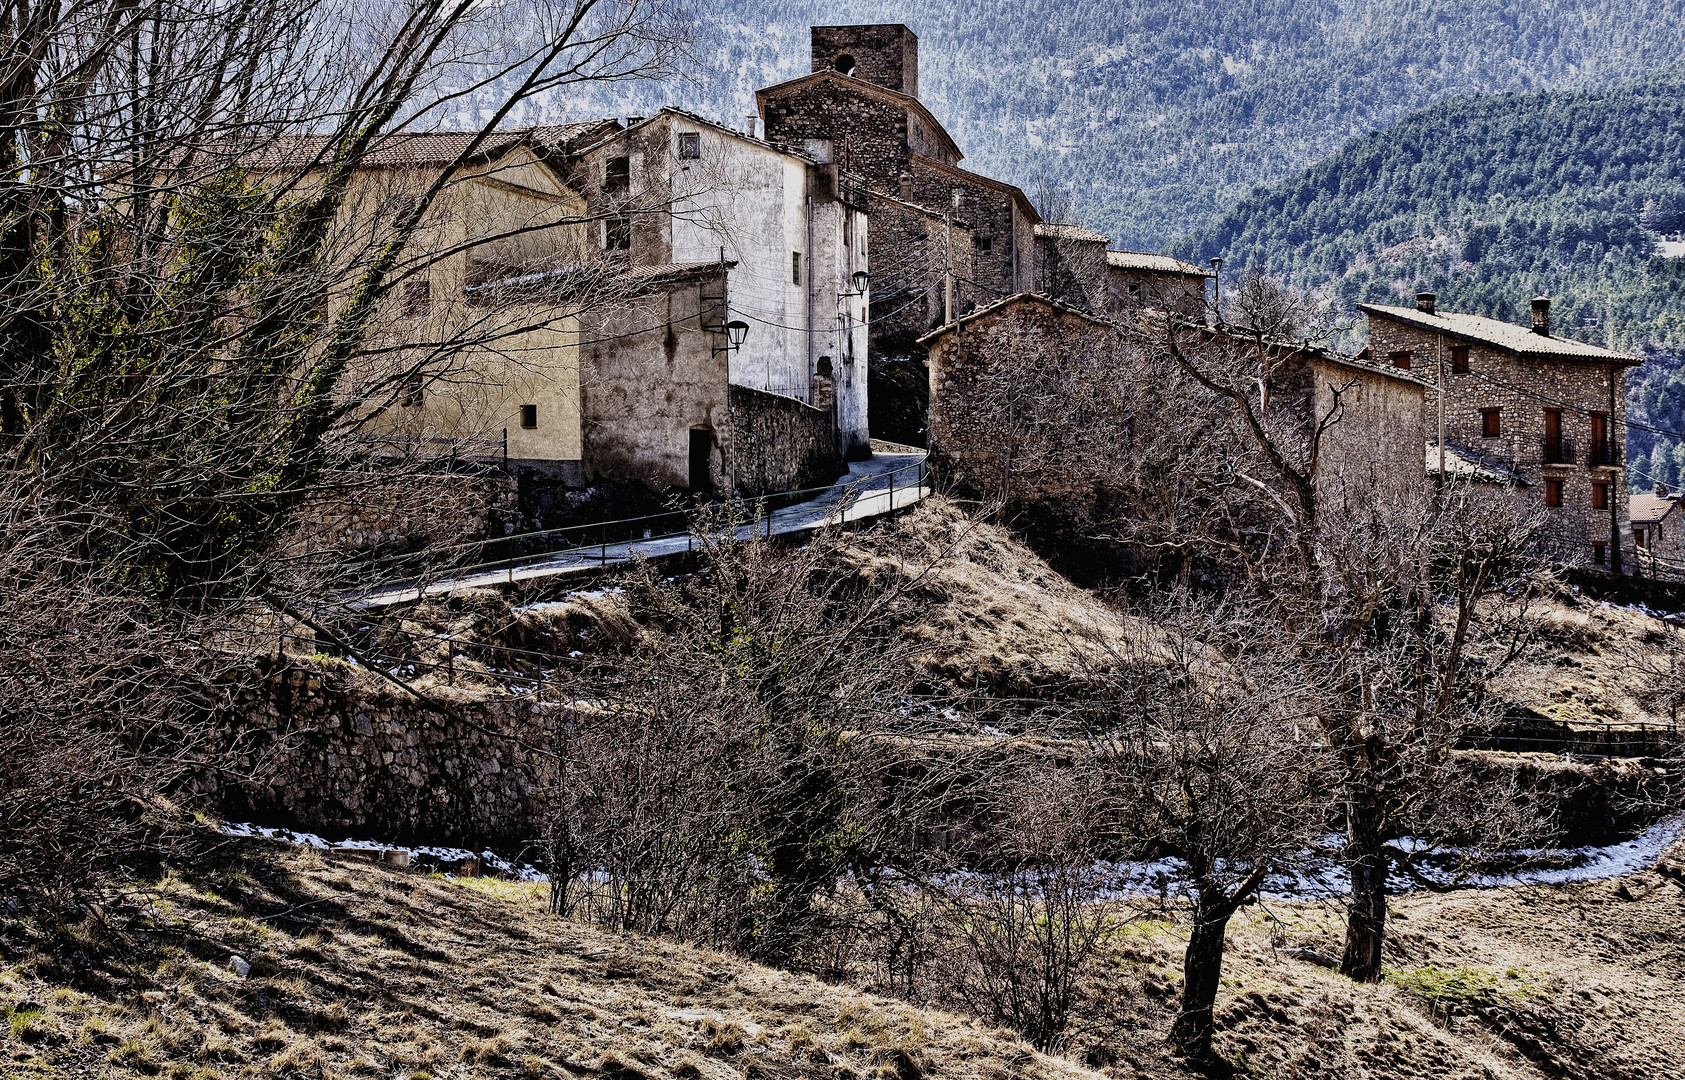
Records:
x=735, y=331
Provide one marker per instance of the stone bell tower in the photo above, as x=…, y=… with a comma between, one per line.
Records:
x=882, y=53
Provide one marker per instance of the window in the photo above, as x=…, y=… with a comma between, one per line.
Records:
x=1490, y=424
x=529, y=416
x=1599, y=553
x=1638, y=538
x=412, y=391
x=617, y=233
x=1553, y=447
x=845, y=64
x=1600, y=495
x=418, y=297
x=1399, y=359
x=690, y=145
x=617, y=176
x=1602, y=453
x=1135, y=290
x=985, y=243
x=1460, y=359
x=1553, y=492
x=795, y=268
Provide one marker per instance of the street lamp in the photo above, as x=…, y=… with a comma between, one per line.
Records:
x=861, y=280
x=735, y=331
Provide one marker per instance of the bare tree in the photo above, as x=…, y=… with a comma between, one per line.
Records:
x=1203, y=740
x=1027, y=918
x=1397, y=602
x=177, y=197
x=737, y=764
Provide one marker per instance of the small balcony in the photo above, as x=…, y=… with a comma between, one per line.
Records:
x=1601, y=452
x=1558, y=451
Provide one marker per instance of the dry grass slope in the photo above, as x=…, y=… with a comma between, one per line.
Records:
x=360, y=971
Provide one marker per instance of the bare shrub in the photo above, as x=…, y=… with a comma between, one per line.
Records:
x=732, y=767
x=1023, y=927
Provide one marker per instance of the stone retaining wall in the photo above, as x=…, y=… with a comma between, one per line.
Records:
x=780, y=444
x=332, y=749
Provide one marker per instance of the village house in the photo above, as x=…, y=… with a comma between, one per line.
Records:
x=1032, y=402
x=1546, y=410
x=464, y=377
x=769, y=242
x=695, y=322
x=944, y=239
x=1658, y=531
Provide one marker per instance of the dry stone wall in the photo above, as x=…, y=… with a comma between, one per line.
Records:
x=780, y=444
x=326, y=748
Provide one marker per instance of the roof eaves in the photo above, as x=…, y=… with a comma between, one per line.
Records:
x=1003, y=303
x=871, y=89
x=1016, y=193
x=1577, y=350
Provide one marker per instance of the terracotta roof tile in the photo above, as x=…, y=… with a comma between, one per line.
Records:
x=1507, y=336
x=413, y=150
x=1065, y=231
x=1649, y=509
x=1141, y=260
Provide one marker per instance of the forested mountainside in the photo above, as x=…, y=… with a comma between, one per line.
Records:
x=1491, y=200
x=1159, y=114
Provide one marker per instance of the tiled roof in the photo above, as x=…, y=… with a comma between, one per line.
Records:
x=411, y=150
x=696, y=118
x=1463, y=462
x=632, y=275
x=1649, y=509
x=1058, y=230
x=1507, y=336
x=1162, y=264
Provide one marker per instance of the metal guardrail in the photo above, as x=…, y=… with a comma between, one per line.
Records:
x=600, y=536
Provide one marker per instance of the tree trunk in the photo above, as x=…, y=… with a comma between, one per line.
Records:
x=1202, y=971
x=1366, y=908
x=1202, y=966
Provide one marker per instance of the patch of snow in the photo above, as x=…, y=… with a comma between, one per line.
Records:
x=521, y=871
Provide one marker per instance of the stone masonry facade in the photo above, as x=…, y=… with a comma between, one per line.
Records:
x=1521, y=389
x=988, y=436
x=324, y=747
x=780, y=443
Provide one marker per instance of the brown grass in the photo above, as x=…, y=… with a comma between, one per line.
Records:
x=361, y=971
x=410, y=976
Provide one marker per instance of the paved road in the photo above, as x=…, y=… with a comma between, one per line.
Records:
x=884, y=484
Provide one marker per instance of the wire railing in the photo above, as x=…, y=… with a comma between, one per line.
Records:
x=617, y=540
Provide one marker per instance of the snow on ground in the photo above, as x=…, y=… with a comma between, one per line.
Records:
x=1319, y=874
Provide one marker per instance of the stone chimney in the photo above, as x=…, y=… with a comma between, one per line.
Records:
x=1424, y=303
x=1541, y=316
x=906, y=187
x=1662, y=491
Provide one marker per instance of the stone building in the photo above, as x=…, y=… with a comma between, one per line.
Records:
x=1072, y=266
x=931, y=217
x=862, y=96
x=1658, y=535
x=1048, y=408
x=1548, y=410
x=1137, y=279
x=787, y=230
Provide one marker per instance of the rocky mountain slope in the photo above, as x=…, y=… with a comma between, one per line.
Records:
x=1156, y=116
